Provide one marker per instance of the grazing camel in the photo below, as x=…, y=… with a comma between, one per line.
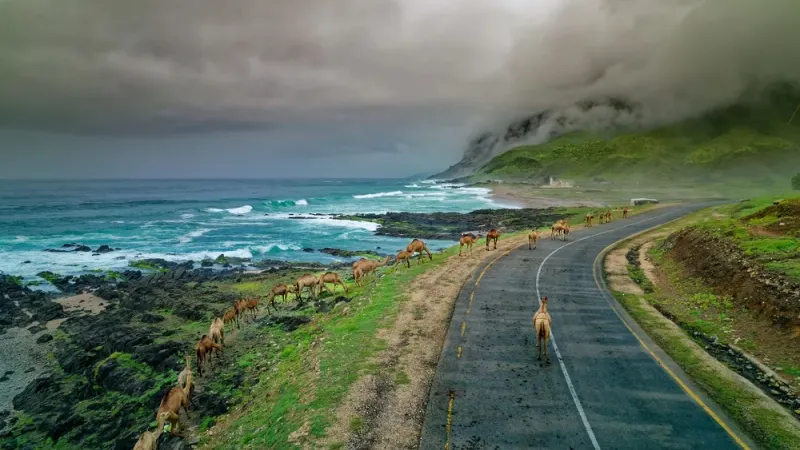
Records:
x=170, y=407
x=492, y=235
x=217, y=331
x=467, y=239
x=204, y=348
x=252, y=307
x=230, y=318
x=149, y=440
x=367, y=267
x=418, y=246
x=588, y=219
x=403, y=255
x=239, y=308
x=533, y=236
x=330, y=277
x=625, y=213
x=307, y=280
x=541, y=322
x=279, y=290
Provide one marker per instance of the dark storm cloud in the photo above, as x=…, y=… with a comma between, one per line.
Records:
x=188, y=66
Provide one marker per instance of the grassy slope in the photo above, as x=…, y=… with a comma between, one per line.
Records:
x=751, y=143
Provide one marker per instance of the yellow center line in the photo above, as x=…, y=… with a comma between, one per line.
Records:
x=463, y=328
x=449, y=420
x=459, y=351
x=661, y=363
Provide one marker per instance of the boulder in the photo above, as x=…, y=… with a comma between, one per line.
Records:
x=104, y=249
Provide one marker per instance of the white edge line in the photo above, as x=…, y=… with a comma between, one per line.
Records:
x=571, y=387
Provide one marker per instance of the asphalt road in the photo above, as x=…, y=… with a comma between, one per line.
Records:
x=606, y=391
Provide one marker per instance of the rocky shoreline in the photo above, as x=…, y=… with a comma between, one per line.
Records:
x=450, y=225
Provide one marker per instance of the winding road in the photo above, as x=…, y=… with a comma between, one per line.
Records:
x=608, y=385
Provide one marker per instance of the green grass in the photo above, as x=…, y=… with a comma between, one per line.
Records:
x=750, y=146
x=305, y=382
x=764, y=425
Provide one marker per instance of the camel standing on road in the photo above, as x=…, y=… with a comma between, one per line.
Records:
x=468, y=240
x=418, y=246
x=533, y=236
x=625, y=213
x=608, y=216
x=565, y=232
x=307, y=280
x=492, y=235
x=541, y=323
x=557, y=228
x=588, y=219
x=330, y=277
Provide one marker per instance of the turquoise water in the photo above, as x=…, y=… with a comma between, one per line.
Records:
x=195, y=219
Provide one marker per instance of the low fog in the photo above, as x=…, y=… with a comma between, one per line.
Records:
x=153, y=68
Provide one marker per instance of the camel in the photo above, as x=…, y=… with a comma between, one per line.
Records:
x=330, y=277
x=418, y=246
x=367, y=267
x=252, y=307
x=185, y=378
x=204, y=348
x=279, y=290
x=217, y=331
x=533, y=236
x=625, y=213
x=170, y=407
x=558, y=228
x=468, y=239
x=230, y=318
x=403, y=255
x=608, y=216
x=239, y=308
x=356, y=263
x=588, y=218
x=565, y=232
x=149, y=440
x=602, y=218
x=306, y=280
x=492, y=235
x=541, y=322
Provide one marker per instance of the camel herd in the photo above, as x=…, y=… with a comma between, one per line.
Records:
x=211, y=344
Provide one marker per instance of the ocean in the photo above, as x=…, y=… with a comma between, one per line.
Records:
x=179, y=220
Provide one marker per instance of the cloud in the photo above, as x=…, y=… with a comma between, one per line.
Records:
x=189, y=66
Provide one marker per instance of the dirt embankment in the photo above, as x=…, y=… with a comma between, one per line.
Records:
x=385, y=411
x=724, y=266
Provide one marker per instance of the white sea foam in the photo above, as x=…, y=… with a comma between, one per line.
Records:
x=326, y=220
x=279, y=246
x=236, y=211
x=187, y=216
x=19, y=239
x=301, y=202
x=185, y=239
x=380, y=194
x=415, y=185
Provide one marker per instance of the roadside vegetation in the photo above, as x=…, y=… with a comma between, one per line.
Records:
x=704, y=298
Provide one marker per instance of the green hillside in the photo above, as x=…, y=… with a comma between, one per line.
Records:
x=744, y=144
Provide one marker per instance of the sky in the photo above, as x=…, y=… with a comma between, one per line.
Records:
x=351, y=88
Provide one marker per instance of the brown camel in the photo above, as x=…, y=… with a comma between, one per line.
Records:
x=170, y=407
x=468, y=240
x=541, y=322
x=588, y=219
x=608, y=216
x=602, y=218
x=185, y=373
x=533, y=236
x=364, y=269
x=330, y=277
x=252, y=307
x=239, y=308
x=403, y=255
x=149, y=440
x=418, y=246
x=558, y=228
x=279, y=290
x=356, y=263
x=217, y=331
x=204, y=348
x=492, y=235
x=307, y=280
x=230, y=318
x=625, y=213
x=565, y=232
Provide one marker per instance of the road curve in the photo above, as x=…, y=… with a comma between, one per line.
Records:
x=605, y=391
